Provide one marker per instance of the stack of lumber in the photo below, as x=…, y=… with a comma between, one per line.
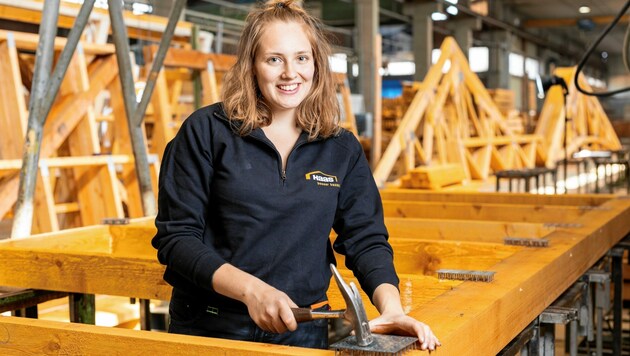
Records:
x=434, y=177
x=453, y=119
x=428, y=231
x=588, y=127
x=393, y=111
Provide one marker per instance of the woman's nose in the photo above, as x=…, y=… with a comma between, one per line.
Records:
x=289, y=72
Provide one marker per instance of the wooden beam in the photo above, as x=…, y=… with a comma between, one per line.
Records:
x=29, y=41
x=496, y=198
x=462, y=230
x=122, y=145
x=97, y=188
x=80, y=269
x=68, y=162
x=163, y=130
x=191, y=59
x=13, y=115
x=425, y=257
x=32, y=336
x=472, y=211
x=138, y=25
x=209, y=85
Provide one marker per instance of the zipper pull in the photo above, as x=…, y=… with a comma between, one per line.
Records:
x=284, y=175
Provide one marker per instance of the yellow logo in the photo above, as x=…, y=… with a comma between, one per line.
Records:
x=323, y=179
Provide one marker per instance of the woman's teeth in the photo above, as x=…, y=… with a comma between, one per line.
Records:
x=288, y=87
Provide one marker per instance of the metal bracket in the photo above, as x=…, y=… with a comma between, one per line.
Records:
x=115, y=221
x=558, y=315
x=465, y=275
x=526, y=241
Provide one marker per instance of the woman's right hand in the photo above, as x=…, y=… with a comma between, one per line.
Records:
x=269, y=307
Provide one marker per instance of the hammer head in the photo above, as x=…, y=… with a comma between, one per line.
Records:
x=355, y=312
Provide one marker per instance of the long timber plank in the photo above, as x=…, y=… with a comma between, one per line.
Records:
x=463, y=230
x=22, y=336
x=425, y=257
x=477, y=211
x=29, y=41
x=497, y=198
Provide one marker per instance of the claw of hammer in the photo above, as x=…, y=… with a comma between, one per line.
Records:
x=354, y=312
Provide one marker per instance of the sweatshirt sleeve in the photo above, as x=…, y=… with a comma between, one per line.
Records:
x=362, y=235
x=184, y=194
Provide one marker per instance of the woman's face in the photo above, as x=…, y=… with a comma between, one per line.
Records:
x=284, y=66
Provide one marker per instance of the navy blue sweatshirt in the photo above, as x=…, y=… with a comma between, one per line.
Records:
x=224, y=198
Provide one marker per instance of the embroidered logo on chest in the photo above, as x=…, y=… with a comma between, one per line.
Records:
x=323, y=179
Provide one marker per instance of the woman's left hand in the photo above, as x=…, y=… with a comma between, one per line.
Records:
x=402, y=324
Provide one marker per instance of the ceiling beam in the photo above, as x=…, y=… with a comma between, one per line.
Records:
x=570, y=22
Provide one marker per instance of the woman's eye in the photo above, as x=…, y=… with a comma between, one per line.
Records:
x=274, y=60
x=303, y=58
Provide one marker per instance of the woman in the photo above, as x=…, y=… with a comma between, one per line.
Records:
x=250, y=188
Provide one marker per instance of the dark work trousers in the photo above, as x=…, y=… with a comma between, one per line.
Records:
x=203, y=320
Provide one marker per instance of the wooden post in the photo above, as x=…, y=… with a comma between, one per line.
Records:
x=377, y=126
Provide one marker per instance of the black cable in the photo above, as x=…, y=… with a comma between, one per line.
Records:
x=590, y=51
x=626, y=45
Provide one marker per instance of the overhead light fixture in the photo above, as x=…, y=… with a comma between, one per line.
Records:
x=452, y=10
x=584, y=10
x=438, y=16
x=452, y=1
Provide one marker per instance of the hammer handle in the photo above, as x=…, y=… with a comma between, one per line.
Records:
x=306, y=314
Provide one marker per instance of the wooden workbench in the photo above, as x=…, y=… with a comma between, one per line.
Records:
x=429, y=231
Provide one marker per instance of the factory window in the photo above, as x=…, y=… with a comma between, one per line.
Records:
x=400, y=68
x=338, y=63
x=479, y=59
x=516, y=65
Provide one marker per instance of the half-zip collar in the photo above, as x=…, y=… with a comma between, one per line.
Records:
x=259, y=135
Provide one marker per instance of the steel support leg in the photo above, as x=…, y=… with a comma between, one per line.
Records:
x=82, y=308
x=617, y=278
x=145, y=314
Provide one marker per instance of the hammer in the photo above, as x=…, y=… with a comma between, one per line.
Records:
x=354, y=312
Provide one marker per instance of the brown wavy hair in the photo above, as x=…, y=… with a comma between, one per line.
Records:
x=318, y=113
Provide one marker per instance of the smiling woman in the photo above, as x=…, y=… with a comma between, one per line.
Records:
x=291, y=30
x=250, y=189
x=284, y=67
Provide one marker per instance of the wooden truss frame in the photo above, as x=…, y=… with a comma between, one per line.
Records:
x=588, y=125
x=452, y=119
